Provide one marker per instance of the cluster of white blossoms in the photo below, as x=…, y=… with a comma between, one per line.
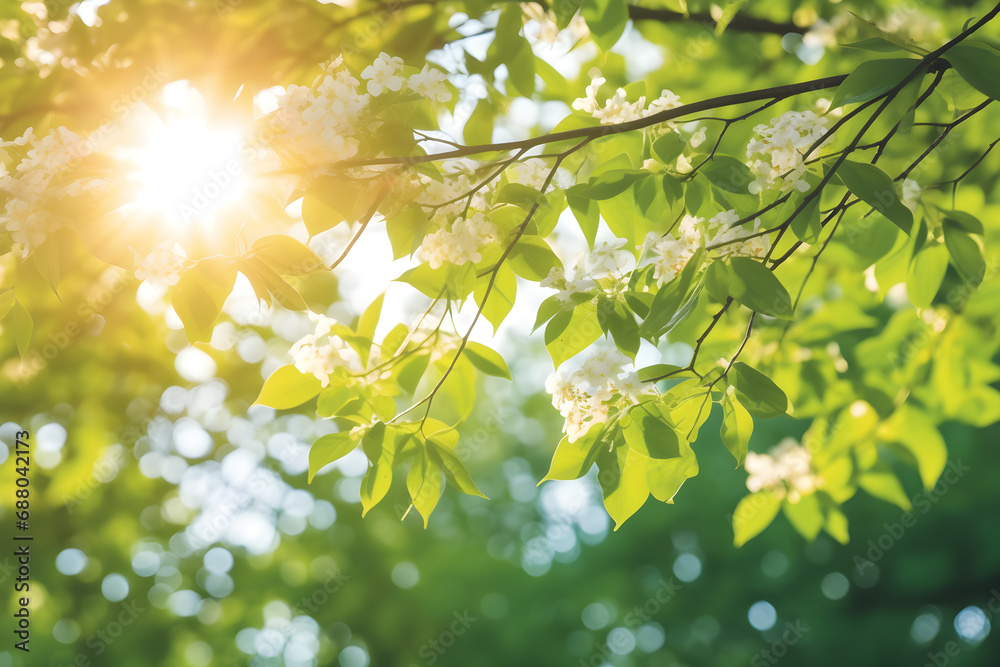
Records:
x=322, y=352
x=461, y=243
x=543, y=29
x=617, y=109
x=777, y=156
x=733, y=239
x=585, y=397
x=786, y=468
x=320, y=122
x=670, y=254
x=26, y=216
x=163, y=265
x=608, y=263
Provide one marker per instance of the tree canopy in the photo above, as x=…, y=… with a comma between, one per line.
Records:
x=279, y=257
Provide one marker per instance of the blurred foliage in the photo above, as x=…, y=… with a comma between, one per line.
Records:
x=146, y=461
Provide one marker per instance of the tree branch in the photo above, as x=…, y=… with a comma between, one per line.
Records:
x=740, y=22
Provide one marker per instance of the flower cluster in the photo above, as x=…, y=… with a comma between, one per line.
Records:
x=461, y=243
x=322, y=352
x=585, y=397
x=607, y=266
x=163, y=265
x=670, y=254
x=26, y=216
x=617, y=109
x=321, y=122
x=785, y=469
x=543, y=29
x=777, y=156
x=734, y=240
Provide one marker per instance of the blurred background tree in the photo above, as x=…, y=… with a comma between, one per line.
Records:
x=173, y=522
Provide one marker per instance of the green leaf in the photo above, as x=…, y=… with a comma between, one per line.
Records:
x=979, y=65
x=532, y=258
x=7, y=301
x=915, y=431
x=806, y=516
x=806, y=225
x=572, y=460
x=521, y=68
x=758, y=394
x=965, y=254
x=623, y=479
x=268, y=285
x=664, y=310
x=287, y=388
x=286, y=256
x=406, y=231
x=501, y=298
x=836, y=525
x=486, y=360
x=198, y=296
x=22, y=324
x=424, y=484
x=380, y=446
x=649, y=432
x=881, y=482
x=728, y=14
x=454, y=469
x=926, y=273
x=328, y=449
x=756, y=287
x=872, y=79
x=318, y=215
x=728, y=173
x=479, y=127
x=668, y=146
x=586, y=211
x=666, y=476
x=613, y=183
x=876, y=44
x=571, y=332
x=615, y=318
x=448, y=280
x=874, y=187
x=737, y=427
x=753, y=514
x=606, y=19
x=968, y=222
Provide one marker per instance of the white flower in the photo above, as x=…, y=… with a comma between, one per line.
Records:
x=318, y=123
x=736, y=240
x=778, y=154
x=163, y=265
x=430, y=83
x=618, y=109
x=585, y=397
x=671, y=254
x=384, y=73
x=609, y=259
x=911, y=194
x=321, y=353
x=33, y=185
x=461, y=243
x=698, y=138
